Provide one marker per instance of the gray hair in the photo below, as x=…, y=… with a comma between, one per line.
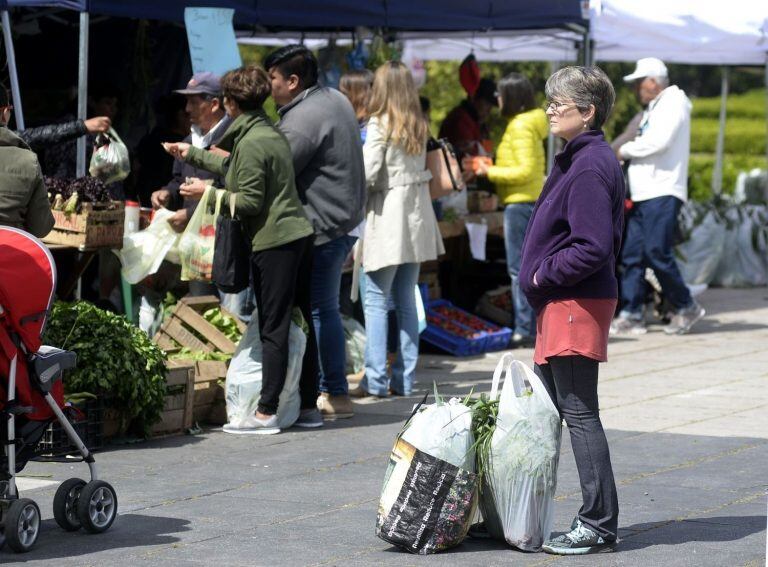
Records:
x=663, y=82
x=584, y=86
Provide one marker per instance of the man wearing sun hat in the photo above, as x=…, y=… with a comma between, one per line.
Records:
x=658, y=176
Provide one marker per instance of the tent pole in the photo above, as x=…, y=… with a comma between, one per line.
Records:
x=82, y=89
x=12, y=71
x=553, y=66
x=587, y=48
x=717, y=174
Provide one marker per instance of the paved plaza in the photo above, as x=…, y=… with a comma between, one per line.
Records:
x=686, y=418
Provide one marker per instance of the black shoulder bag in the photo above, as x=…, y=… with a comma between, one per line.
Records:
x=232, y=253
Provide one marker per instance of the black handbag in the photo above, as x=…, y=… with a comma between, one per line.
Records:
x=231, y=255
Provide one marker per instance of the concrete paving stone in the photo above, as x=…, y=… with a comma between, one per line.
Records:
x=689, y=483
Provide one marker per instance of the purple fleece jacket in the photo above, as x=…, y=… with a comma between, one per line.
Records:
x=574, y=235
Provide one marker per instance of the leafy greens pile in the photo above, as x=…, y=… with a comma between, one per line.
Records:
x=114, y=358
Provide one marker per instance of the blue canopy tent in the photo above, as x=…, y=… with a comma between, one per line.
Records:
x=437, y=15
x=310, y=15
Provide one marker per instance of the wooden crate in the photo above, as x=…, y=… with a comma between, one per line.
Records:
x=187, y=327
x=179, y=399
x=209, y=393
x=95, y=226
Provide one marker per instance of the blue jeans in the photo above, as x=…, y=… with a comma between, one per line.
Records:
x=397, y=282
x=327, y=262
x=649, y=243
x=516, y=217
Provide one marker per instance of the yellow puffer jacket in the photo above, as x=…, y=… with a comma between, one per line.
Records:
x=518, y=173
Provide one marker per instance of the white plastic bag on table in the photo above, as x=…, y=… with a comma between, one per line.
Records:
x=243, y=385
x=456, y=201
x=699, y=256
x=144, y=251
x=196, y=245
x=110, y=161
x=517, y=500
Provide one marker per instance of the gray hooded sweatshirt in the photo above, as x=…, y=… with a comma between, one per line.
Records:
x=324, y=136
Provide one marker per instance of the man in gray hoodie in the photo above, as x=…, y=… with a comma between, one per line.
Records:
x=324, y=136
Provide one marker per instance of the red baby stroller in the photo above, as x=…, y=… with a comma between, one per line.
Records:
x=32, y=396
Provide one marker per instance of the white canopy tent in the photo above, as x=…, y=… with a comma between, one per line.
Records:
x=686, y=31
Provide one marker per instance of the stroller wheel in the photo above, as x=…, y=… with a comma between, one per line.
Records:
x=97, y=506
x=22, y=525
x=65, y=504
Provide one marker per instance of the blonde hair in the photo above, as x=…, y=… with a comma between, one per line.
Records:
x=356, y=86
x=395, y=97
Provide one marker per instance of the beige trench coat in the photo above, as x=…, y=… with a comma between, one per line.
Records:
x=400, y=224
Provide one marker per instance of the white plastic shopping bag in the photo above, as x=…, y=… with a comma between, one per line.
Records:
x=243, y=386
x=110, y=161
x=144, y=251
x=517, y=501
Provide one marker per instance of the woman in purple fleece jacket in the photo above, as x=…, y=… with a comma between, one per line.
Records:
x=567, y=272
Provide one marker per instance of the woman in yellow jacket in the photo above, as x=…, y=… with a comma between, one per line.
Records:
x=518, y=175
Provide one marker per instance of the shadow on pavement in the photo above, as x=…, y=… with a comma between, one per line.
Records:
x=714, y=326
x=128, y=531
x=676, y=532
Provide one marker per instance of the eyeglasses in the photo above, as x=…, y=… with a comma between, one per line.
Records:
x=558, y=107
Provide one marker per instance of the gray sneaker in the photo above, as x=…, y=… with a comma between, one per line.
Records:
x=579, y=541
x=625, y=326
x=684, y=319
x=309, y=419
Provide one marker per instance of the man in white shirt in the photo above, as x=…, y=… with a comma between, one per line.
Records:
x=658, y=180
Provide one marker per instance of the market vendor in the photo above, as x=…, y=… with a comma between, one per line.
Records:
x=209, y=124
x=466, y=126
x=23, y=196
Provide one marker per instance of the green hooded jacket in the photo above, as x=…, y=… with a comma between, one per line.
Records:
x=259, y=173
x=23, y=196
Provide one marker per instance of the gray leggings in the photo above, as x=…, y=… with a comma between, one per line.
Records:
x=572, y=384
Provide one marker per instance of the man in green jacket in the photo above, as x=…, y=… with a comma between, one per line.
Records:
x=23, y=196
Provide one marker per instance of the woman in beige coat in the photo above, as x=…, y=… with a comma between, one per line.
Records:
x=401, y=230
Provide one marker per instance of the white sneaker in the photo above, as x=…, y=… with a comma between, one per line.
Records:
x=252, y=425
x=626, y=326
x=685, y=319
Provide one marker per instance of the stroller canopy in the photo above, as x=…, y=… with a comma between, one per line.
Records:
x=27, y=284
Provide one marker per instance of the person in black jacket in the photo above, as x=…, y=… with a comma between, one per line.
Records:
x=43, y=137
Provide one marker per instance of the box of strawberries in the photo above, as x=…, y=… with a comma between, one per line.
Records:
x=461, y=333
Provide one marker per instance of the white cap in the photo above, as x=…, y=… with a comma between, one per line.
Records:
x=647, y=67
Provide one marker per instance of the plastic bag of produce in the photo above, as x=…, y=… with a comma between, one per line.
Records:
x=196, y=245
x=428, y=499
x=243, y=385
x=354, y=335
x=699, y=255
x=517, y=498
x=110, y=161
x=144, y=251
